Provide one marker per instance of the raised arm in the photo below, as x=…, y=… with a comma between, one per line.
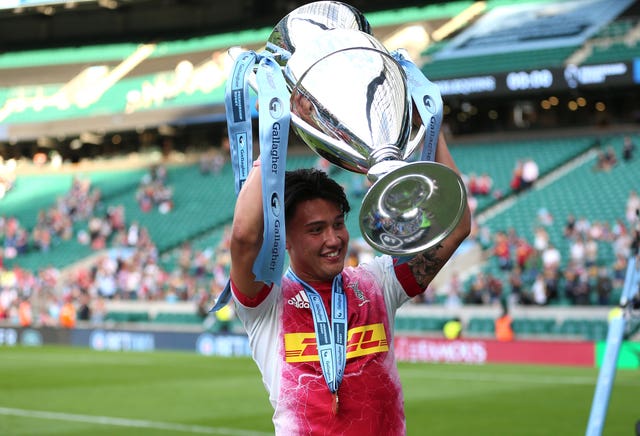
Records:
x=246, y=234
x=426, y=265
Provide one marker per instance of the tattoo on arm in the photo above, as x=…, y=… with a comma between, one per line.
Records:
x=426, y=265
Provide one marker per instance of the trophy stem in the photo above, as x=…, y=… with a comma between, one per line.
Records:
x=383, y=160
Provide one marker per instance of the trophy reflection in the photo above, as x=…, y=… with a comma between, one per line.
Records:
x=351, y=104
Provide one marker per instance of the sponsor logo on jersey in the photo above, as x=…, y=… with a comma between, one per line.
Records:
x=369, y=339
x=300, y=300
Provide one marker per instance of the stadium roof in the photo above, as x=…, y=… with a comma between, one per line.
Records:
x=28, y=24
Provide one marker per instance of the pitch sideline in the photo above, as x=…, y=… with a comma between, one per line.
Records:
x=123, y=422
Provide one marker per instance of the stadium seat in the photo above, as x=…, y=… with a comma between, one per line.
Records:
x=137, y=316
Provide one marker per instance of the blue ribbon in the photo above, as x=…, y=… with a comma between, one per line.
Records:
x=615, y=336
x=274, y=118
x=331, y=336
x=428, y=100
x=238, y=111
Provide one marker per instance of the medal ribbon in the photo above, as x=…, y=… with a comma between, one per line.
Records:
x=273, y=122
x=331, y=336
x=427, y=98
x=238, y=111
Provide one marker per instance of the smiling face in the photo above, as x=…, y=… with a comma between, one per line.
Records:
x=317, y=240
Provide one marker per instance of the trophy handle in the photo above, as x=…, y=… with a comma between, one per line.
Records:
x=415, y=142
x=412, y=208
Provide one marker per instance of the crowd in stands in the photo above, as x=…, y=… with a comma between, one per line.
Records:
x=52, y=225
x=154, y=191
x=524, y=175
x=538, y=272
x=128, y=267
x=607, y=158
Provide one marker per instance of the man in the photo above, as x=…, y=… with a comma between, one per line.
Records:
x=504, y=325
x=282, y=327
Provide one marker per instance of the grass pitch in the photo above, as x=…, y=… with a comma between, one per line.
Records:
x=77, y=391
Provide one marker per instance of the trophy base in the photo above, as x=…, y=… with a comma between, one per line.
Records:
x=412, y=208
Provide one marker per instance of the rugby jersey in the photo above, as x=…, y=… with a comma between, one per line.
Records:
x=281, y=333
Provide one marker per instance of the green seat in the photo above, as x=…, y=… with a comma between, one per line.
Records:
x=481, y=325
x=138, y=316
x=177, y=318
x=598, y=330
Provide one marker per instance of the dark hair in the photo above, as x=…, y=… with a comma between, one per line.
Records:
x=308, y=184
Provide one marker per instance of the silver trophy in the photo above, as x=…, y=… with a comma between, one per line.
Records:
x=350, y=103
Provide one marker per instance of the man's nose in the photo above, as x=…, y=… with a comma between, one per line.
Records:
x=332, y=238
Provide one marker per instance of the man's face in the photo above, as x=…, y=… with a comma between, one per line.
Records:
x=317, y=240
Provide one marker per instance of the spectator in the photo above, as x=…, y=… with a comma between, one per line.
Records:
x=480, y=185
x=551, y=257
x=224, y=318
x=84, y=311
x=485, y=184
x=628, y=149
x=516, y=177
x=540, y=239
x=545, y=217
x=68, y=313
x=502, y=251
x=539, y=290
x=591, y=252
x=524, y=253
x=504, y=325
x=516, y=285
x=454, y=292
x=25, y=313
x=552, y=284
x=580, y=289
x=99, y=311
x=632, y=207
x=530, y=173
x=606, y=159
x=478, y=291
x=604, y=286
x=494, y=289
x=570, y=226
x=577, y=251
x=452, y=329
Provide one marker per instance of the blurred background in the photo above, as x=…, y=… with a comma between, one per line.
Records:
x=116, y=192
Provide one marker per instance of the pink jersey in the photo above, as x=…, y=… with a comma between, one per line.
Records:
x=282, y=337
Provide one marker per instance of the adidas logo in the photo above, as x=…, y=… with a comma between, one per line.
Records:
x=300, y=300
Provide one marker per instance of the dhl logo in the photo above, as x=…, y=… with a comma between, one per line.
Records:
x=369, y=339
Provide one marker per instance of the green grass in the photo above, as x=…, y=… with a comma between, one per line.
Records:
x=76, y=391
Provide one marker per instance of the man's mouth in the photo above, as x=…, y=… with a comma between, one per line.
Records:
x=332, y=254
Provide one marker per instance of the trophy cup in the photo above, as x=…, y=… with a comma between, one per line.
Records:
x=351, y=104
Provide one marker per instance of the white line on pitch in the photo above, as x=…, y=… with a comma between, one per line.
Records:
x=506, y=378
x=123, y=422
